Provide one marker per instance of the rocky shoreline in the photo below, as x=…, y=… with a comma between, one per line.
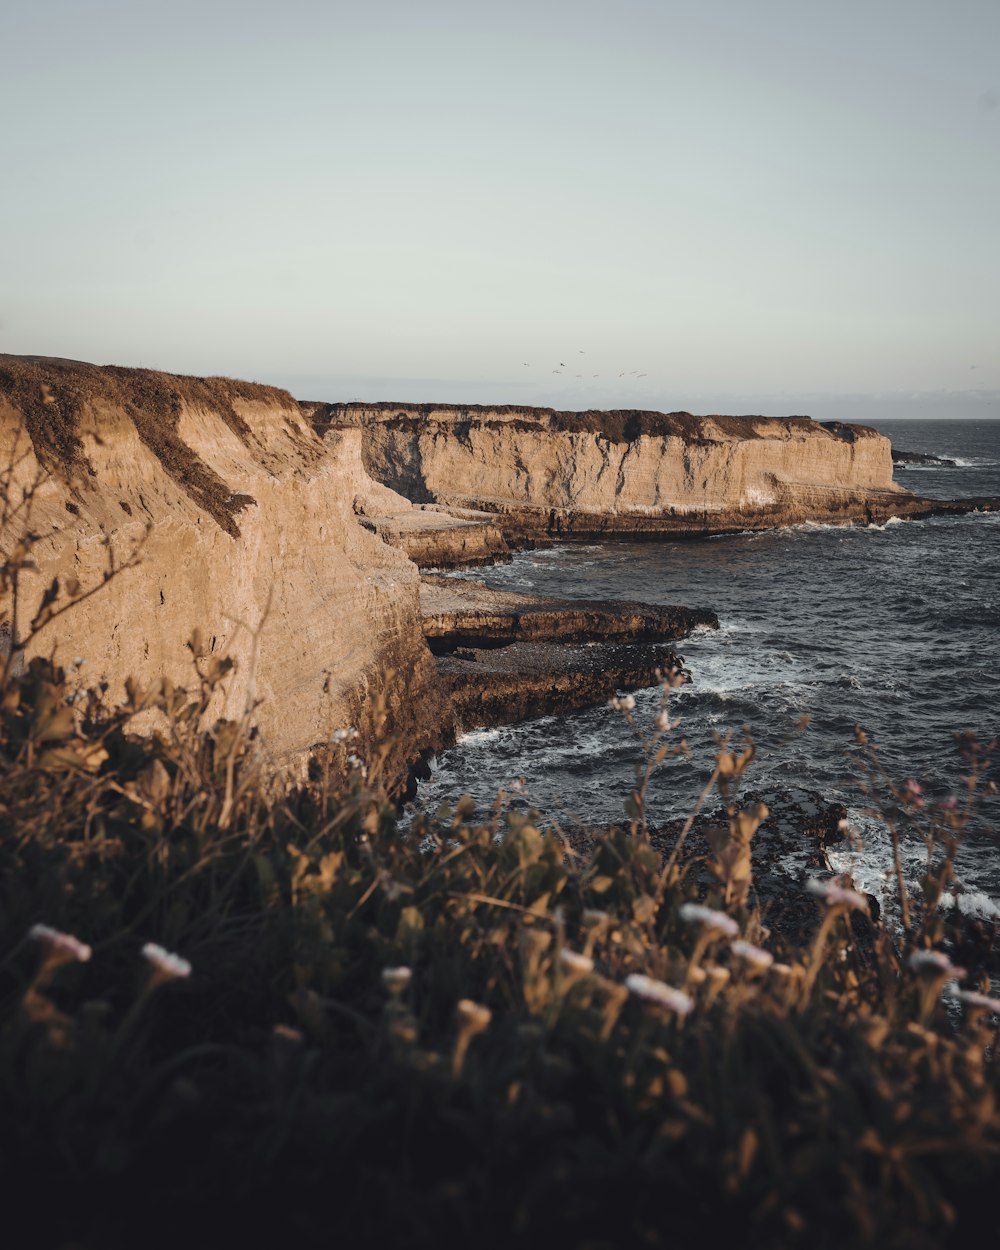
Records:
x=467, y=484
x=503, y=657
x=901, y=459
x=201, y=518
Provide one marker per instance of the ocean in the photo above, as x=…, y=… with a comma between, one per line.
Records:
x=891, y=628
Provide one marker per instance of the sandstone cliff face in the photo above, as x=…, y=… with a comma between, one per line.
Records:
x=252, y=538
x=638, y=472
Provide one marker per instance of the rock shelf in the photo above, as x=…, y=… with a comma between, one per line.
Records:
x=504, y=656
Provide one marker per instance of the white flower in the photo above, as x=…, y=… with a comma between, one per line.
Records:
x=343, y=735
x=164, y=962
x=974, y=999
x=473, y=1016
x=663, y=722
x=63, y=943
x=756, y=956
x=836, y=896
x=575, y=962
x=659, y=992
x=936, y=961
x=396, y=980
x=624, y=704
x=696, y=913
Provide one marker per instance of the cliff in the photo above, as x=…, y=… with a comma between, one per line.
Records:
x=546, y=472
x=246, y=529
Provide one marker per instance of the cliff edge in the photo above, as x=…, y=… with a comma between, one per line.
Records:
x=544, y=472
x=244, y=526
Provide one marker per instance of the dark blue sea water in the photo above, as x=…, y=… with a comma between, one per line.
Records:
x=895, y=629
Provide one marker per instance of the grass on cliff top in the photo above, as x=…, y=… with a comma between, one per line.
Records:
x=617, y=425
x=465, y=1033
x=51, y=396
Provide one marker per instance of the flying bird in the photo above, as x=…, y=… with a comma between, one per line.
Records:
x=562, y=364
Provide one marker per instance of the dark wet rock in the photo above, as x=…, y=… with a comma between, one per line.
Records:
x=902, y=458
x=466, y=613
x=500, y=685
x=788, y=850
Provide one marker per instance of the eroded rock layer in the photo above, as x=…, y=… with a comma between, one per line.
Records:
x=547, y=472
x=543, y=473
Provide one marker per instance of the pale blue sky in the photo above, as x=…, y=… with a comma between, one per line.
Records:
x=778, y=205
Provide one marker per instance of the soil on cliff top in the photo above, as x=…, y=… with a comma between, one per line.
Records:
x=52, y=394
x=618, y=425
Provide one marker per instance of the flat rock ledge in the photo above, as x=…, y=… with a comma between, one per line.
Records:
x=445, y=536
x=504, y=657
x=437, y=537
x=462, y=612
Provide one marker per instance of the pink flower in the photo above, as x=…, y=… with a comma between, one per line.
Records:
x=64, y=944
x=696, y=913
x=658, y=993
x=755, y=956
x=936, y=961
x=972, y=998
x=836, y=896
x=165, y=963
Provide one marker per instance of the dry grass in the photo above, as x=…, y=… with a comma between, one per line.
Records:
x=53, y=395
x=619, y=425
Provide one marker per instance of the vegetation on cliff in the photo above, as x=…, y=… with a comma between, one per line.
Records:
x=228, y=1011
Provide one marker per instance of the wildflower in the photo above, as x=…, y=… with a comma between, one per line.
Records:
x=659, y=993
x=473, y=1016
x=949, y=804
x=165, y=964
x=936, y=961
x=64, y=945
x=396, y=980
x=343, y=735
x=672, y=677
x=624, y=704
x=78, y=660
x=972, y=998
x=695, y=913
x=576, y=963
x=755, y=956
x=835, y=895
x=844, y=825
x=912, y=792
x=663, y=722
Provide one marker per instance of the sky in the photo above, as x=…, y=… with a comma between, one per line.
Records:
x=783, y=206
